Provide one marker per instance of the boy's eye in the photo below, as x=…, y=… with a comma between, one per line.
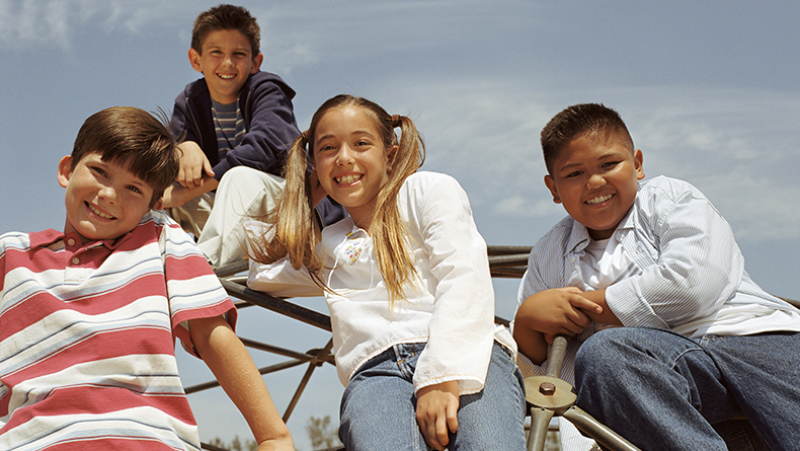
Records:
x=99, y=170
x=135, y=189
x=610, y=164
x=573, y=174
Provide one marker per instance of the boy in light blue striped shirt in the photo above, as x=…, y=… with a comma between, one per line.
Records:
x=655, y=257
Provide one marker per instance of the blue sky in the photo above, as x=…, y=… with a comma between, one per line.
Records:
x=708, y=89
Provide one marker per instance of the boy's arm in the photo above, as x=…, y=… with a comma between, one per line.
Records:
x=177, y=195
x=606, y=315
x=558, y=311
x=699, y=265
x=226, y=356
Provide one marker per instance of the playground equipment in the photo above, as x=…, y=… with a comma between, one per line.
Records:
x=547, y=395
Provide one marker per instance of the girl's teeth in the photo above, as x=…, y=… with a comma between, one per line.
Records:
x=349, y=178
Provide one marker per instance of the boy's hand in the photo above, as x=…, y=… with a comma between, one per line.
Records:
x=194, y=165
x=556, y=312
x=437, y=412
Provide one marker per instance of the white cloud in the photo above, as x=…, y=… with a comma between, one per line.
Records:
x=739, y=147
x=35, y=24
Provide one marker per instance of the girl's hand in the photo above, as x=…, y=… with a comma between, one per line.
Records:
x=437, y=412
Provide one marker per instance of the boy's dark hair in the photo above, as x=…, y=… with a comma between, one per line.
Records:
x=132, y=138
x=576, y=120
x=226, y=17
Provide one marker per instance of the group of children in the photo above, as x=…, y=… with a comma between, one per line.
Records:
x=670, y=333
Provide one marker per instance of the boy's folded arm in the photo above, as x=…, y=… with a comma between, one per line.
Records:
x=531, y=343
x=177, y=195
x=559, y=311
x=226, y=356
x=699, y=267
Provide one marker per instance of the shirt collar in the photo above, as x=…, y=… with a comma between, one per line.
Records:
x=579, y=236
x=50, y=236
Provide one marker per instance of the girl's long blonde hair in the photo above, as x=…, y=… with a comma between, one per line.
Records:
x=297, y=232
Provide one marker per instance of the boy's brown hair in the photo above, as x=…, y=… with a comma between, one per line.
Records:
x=132, y=138
x=226, y=17
x=576, y=120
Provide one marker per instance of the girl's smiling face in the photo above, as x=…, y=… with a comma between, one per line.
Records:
x=351, y=160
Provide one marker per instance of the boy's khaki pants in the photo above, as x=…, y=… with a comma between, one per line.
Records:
x=243, y=194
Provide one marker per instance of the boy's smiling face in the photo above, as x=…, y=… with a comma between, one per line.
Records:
x=226, y=61
x=595, y=178
x=104, y=199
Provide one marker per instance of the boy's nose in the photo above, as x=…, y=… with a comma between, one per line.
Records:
x=596, y=181
x=108, y=194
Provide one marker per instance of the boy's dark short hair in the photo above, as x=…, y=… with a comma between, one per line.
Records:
x=576, y=120
x=226, y=17
x=133, y=138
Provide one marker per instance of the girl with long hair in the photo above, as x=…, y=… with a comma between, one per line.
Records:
x=407, y=282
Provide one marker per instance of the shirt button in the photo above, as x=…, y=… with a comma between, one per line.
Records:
x=75, y=260
x=71, y=242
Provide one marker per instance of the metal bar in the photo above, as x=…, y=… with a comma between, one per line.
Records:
x=307, y=356
x=597, y=430
x=557, y=353
x=262, y=371
x=278, y=305
x=309, y=371
x=497, y=261
x=210, y=447
x=508, y=272
x=232, y=268
x=503, y=250
x=540, y=422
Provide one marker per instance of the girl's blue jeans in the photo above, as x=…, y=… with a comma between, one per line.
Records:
x=663, y=391
x=378, y=406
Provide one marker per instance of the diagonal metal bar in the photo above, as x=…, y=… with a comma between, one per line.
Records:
x=309, y=371
x=310, y=356
x=278, y=305
x=262, y=371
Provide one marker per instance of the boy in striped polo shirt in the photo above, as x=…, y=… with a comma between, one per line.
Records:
x=89, y=316
x=701, y=343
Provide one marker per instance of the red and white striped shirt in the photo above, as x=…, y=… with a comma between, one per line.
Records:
x=87, y=338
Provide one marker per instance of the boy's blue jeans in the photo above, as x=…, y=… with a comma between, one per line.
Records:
x=663, y=391
x=378, y=406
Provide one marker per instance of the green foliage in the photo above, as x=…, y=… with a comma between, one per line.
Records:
x=321, y=433
x=235, y=445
